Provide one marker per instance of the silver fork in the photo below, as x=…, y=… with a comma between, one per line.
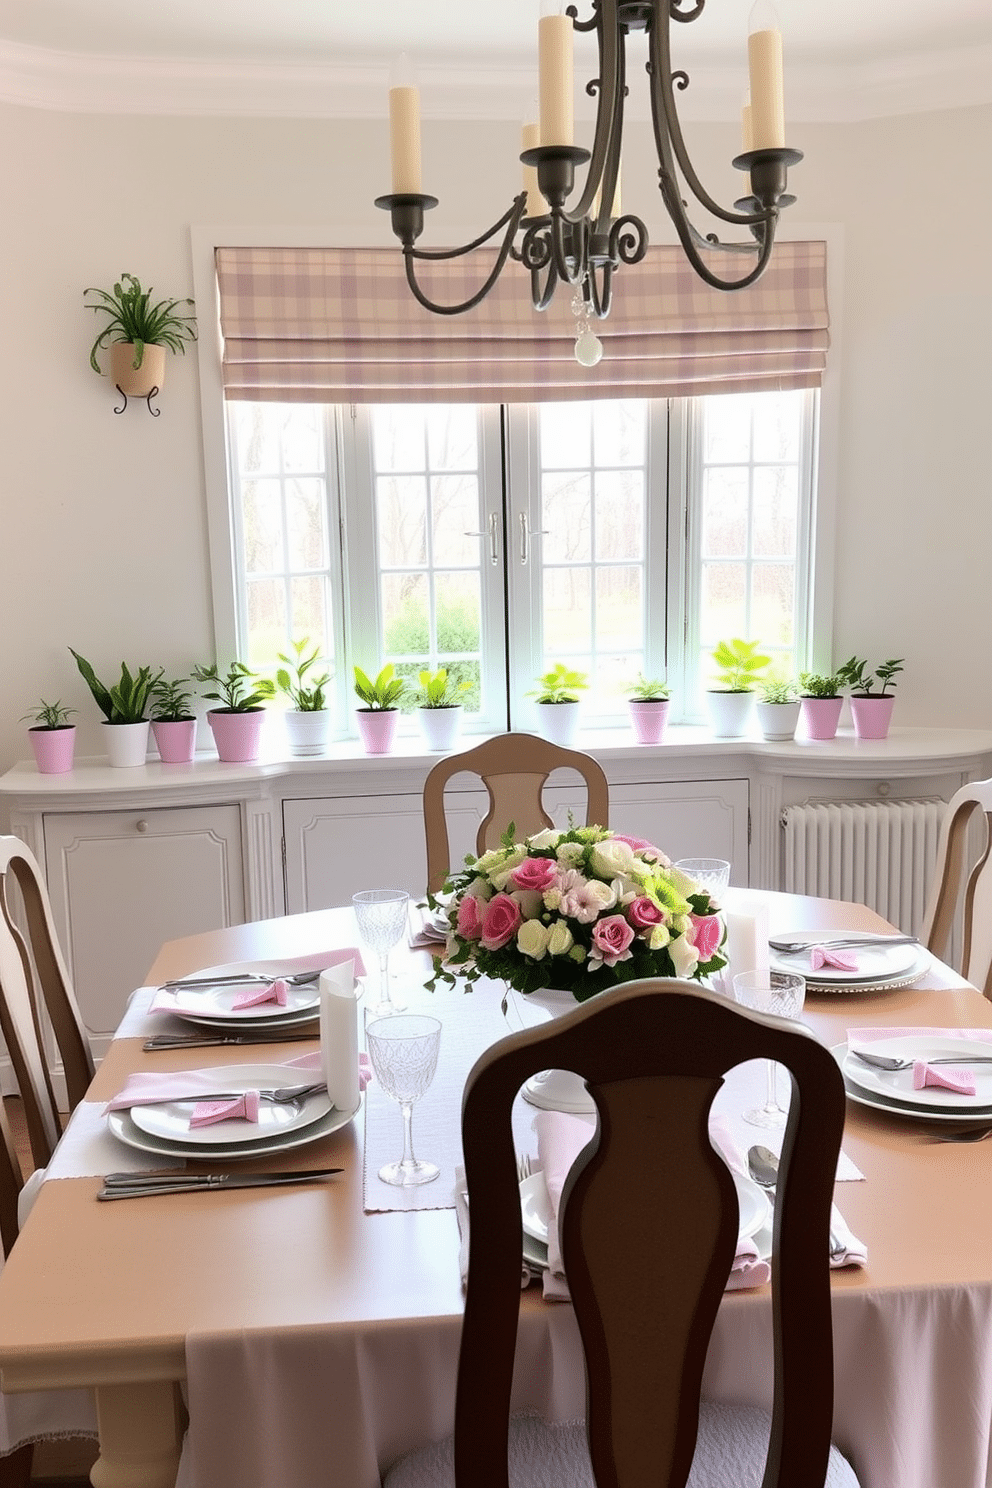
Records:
x=867, y=941
x=246, y=979
x=524, y=1167
x=285, y=1095
x=890, y=1062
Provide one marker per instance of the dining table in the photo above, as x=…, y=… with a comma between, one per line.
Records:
x=310, y=1334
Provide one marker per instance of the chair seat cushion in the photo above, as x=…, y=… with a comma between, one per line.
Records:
x=730, y=1453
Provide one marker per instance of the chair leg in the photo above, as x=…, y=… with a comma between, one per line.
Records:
x=15, y=1469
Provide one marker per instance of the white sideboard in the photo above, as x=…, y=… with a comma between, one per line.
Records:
x=137, y=856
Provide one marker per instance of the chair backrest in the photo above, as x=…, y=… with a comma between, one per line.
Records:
x=514, y=769
x=10, y=1184
x=33, y=976
x=963, y=884
x=646, y=1290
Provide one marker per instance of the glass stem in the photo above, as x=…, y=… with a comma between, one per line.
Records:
x=772, y=1102
x=384, y=972
x=408, y=1159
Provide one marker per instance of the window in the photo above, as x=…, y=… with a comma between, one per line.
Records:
x=617, y=537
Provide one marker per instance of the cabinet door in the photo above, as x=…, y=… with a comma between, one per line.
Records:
x=688, y=819
x=122, y=882
x=334, y=847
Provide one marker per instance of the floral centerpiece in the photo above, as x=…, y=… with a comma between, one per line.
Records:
x=579, y=911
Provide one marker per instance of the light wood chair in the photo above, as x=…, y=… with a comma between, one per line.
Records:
x=646, y=1291
x=34, y=980
x=514, y=768
x=962, y=885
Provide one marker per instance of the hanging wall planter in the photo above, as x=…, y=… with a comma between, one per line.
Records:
x=138, y=331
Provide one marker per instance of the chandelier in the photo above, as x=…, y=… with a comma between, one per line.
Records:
x=583, y=246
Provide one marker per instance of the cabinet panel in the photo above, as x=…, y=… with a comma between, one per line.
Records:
x=122, y=882
x=688, y=819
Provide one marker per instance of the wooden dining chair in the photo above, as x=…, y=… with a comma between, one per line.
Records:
x=962, y=884
x=34, y=984
x=648, y=1228
x=514, y=768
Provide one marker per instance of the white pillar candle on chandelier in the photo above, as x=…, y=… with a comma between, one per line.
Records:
x=764, y=61
x=555, y=66
x=404, y=128
x=530, y=138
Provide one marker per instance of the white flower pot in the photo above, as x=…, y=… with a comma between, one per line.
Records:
x=127, y=743
x=308, y=732
x=778, y=720
x=559, y=722
x=731, y=713
x=440, y=726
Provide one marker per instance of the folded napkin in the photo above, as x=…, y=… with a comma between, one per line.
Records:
x=849, y=1250
x=843, y=960
x=147, y=1087
x=948, y=1077
x=188, y=1000
x=277, y=991
x=240, y=1108
x=868, y=1035
x=427, y=934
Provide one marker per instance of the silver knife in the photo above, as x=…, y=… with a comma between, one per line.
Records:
x=141, y=1185
x=191, y=1041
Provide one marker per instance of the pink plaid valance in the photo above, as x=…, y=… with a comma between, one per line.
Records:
x=339, y=325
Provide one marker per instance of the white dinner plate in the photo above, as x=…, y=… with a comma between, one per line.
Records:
x=124, y=1129
x=898, y=1084
x=878, y=1102
x=218, y=1003
x=875, y=962
x=536, y=1212
x=170, y=1119
x=248, y=1024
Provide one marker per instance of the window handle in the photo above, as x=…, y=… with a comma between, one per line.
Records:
x=493, y=538
x=525, y=537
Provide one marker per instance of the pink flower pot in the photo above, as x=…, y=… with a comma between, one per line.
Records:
x=238, y=736
x=649, y=719
x=872, y=716
x=175, y=740
x=377, y=728
x=53, y=749
x=819, y=717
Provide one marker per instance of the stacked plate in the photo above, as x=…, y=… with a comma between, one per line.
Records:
x=163, y=1127
x=202, y=1002
x=879, y=967
x=892, y=1090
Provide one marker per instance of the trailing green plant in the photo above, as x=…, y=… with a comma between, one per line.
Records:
x=171, y=703
x=560, y=685
x=385, y=693
x=778, y=690
x=739, y=664
x=439, y=690
x=125, y=702
x=240, y=690
x=133, y=317
x=819, y=685
x=305, y=692
x=647, y=689
x=855, y=676
x=49, y=716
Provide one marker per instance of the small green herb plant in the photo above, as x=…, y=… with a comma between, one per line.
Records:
x=385, y=693
x=855, y=676
x=560, y=685
x=739, y=665
x=819, y=685
x=49, y=716
x=438, y=690
x=647, y=689
x=171, y=702
x=305, y=692
x=240, y=690
x=132, y=317
x=128, y=700
x=778, y=690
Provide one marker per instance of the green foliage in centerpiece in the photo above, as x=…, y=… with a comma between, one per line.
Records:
x=578, y=910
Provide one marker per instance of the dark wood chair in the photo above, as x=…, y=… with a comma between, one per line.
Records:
x=35, y=984
x=962, y=885
x=514, y=768
x=646, y=1291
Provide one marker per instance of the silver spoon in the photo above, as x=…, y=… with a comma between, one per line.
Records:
x=795, y=946
x=762, y=1164
x=890, y=1062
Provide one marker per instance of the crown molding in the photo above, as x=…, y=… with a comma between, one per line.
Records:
x=33, y=77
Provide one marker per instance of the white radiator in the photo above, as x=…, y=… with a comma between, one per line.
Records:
x=879, y=853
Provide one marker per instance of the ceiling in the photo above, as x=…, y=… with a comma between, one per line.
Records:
x=846, y=59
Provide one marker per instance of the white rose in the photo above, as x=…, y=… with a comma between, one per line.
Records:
x=684, y=956
x=570, y=853
x=659, y=937
x=560, y=940
x=550, y=837
x=480, y=888
x=532, y=939
x=611, y=858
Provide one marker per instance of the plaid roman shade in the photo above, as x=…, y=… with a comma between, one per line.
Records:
x=339, y=325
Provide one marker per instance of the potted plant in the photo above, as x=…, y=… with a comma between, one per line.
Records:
x=125, y=709
x=379, y=713
x=308, y=720
x=557, y=698
x=820, y=703
x=778, y=708
x=870, y=710
x=439, y=712
x=138, y=332
x=53, y=737
x=173, y=721
x=237, y=724
x=731, y=699
x=648, y=704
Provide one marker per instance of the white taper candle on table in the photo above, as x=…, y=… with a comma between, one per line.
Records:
x=747, y=937
x=764, y=61
x=338, y=1004
x=404, y=130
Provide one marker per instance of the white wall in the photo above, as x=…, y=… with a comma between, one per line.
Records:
x=103, y=527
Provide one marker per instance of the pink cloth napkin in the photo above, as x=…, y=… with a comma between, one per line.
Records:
x=277, y=991
x=842, y=960
x=866, y=1035
x=184, y=999
x=241, y=1108
x=148, y=1087
x=948, y=1077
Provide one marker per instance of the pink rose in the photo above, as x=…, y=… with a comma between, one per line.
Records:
x=611, y=938
x=470, y=918
x=643, y=913
x=639, y=844
x=535, y=873
x=500, y=921
x=707, y=932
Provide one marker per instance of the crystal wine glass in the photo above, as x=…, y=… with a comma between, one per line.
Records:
x=403, y=1050
x=782, y=993
x=382, y=922
x=711, y=874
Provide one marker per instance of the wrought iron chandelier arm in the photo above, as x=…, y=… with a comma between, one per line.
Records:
x=514, y=215
x=610, y=88
x=510, y=220
x=689, y=237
